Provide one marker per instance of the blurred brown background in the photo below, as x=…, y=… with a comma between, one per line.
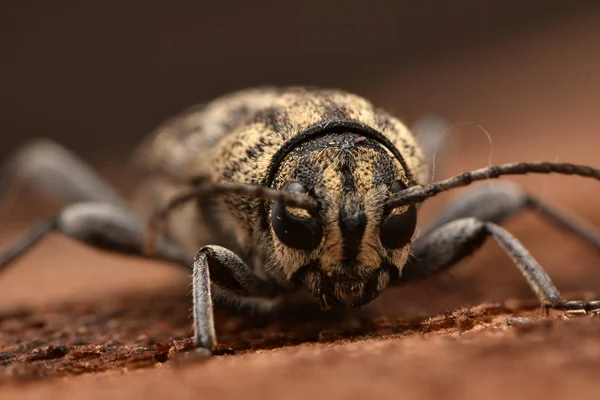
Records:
x=97, y=77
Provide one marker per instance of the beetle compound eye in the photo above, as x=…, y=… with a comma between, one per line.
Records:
x=293, y=231
x=396, y=231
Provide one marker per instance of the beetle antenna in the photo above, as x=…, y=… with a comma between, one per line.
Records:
x=418, y=194
x=207, y=189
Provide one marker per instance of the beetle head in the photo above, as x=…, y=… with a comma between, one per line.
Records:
x=349, y=250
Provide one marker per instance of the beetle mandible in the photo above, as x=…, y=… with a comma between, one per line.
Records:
x=287, y=190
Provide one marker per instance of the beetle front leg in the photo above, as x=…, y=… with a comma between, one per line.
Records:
x=463, y=226
x=454, y=241
x=221, y=275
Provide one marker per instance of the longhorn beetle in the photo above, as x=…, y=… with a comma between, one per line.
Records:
x=287, y=190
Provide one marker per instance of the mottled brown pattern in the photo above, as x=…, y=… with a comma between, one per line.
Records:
x=234, y=139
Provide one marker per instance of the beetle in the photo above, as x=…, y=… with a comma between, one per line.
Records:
x=289, y=190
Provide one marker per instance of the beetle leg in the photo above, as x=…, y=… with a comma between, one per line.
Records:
x=104, y=226
x=503, y=200
x=450, y=243
x=54, y=170
x=232, y=282
x=464, y=225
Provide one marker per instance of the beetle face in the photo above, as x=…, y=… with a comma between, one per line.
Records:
x=349, y=251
